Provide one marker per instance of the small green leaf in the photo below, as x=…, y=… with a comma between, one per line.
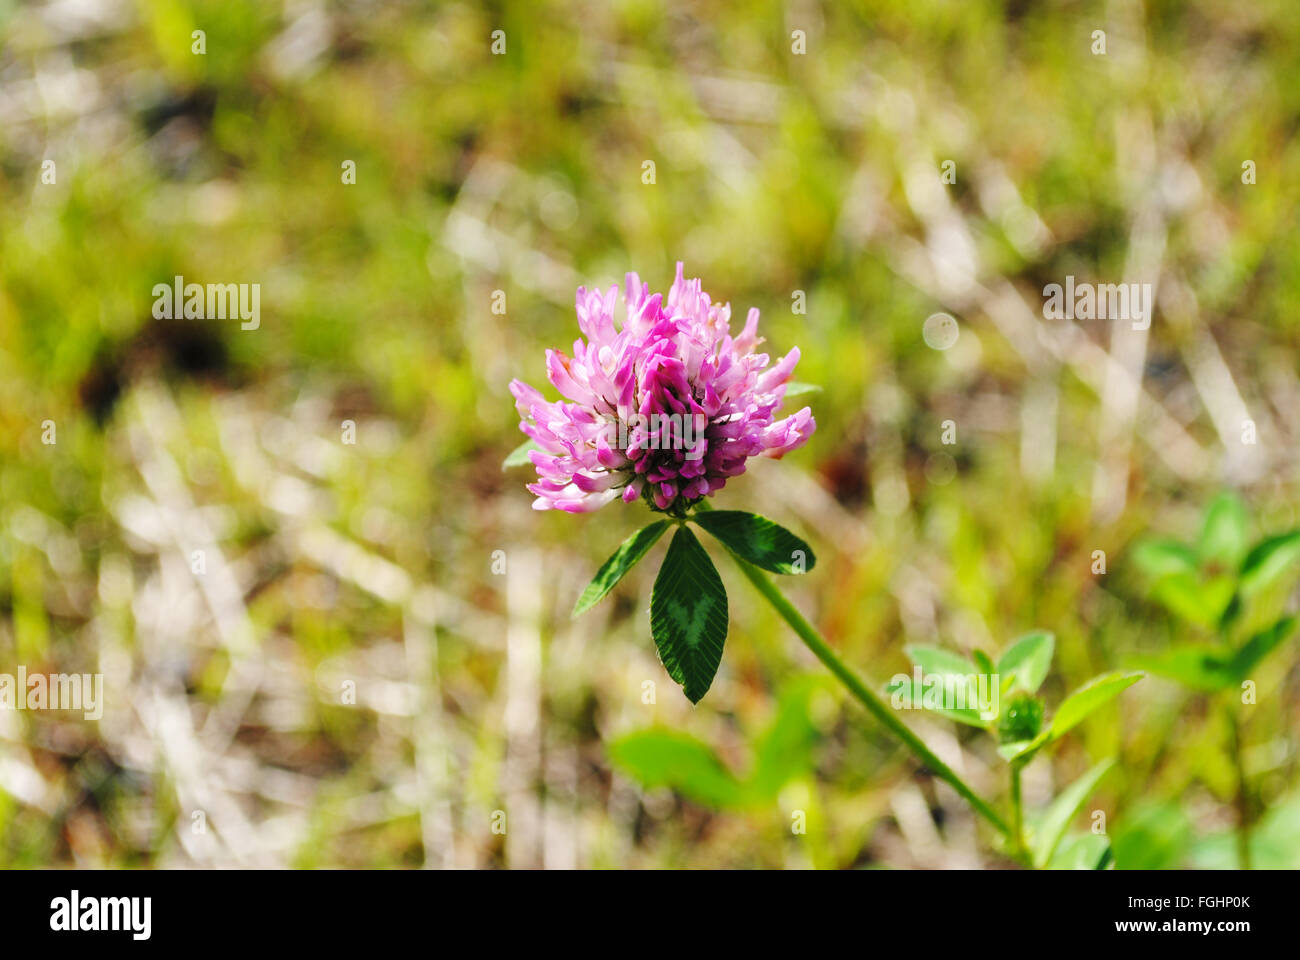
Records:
x=1022, y=751
x=1258, y=647
x=958, y=699
x=1029, y=658
x=620, y=562
x=666, y=758
x=1209, y=668
x=938, y=660
x=1153, y=835
x=1231, y=613
x=1088, y=698
x=796, y=388
x=784, y=751
x=1198, y=667
x=1223, y=539
x=757, y=539
x=1056, y=820
x=1274, y=841
x=1082, y=851
x=688, y=615
x=904, y=693
x=984, y=666
x=1194, y=600
x=519, y=455
x=1160, y=558
x=1268, y=560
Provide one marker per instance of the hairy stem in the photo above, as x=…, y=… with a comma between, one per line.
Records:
x=874, y=704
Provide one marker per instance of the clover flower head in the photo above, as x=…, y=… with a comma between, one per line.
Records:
x=667, y=407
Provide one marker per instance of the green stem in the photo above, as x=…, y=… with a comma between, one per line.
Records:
x=1017, y=812
x=1243, y=796
x=1232, y=715
x=874, y=704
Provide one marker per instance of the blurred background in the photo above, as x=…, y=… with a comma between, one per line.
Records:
x=354, y=676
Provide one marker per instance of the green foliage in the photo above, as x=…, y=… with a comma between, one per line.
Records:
x=1211, y=669
x=765, y=544
x=1152, y=836
x=619, y=563
x=518, y=457
x=913, y=696
x=781, y=753
x=1028, y=660
x=796, y=388
x=1056, y=819
x=939, y=661
x=1160, y=558
x=1253, y=651
x=1160, y=836
x=959, y=685
x=1196, y=599
x=1023, y=666
x=688, y=607
x=688, y=615
x=1082, y=851
x=1274, y=841
x=1072, y=711
x=1223, y=537
x=1078, y=705
x=668, y=758
x=1210, y=587
x=1200, y=668
x=784, y=752
x=1269, y=561
x=1019, y=727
